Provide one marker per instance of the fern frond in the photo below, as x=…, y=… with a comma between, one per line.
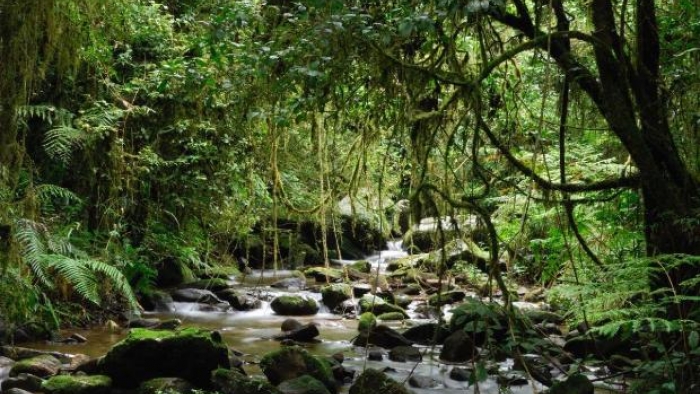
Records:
x=29, y=236
x=78, y=275
x=60, y=142
x=121, y=284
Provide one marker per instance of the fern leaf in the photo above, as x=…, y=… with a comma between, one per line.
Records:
x=60, y=142
x=121, y=284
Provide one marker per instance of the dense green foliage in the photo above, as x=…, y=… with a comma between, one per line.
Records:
x=141, y=134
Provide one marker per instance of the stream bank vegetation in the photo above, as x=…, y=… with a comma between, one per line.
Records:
x=145, y=143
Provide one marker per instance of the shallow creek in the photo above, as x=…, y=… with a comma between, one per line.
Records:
x=251, y=332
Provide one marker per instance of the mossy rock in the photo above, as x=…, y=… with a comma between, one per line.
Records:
x=226, y=381
x=73, y=384
x=334, y=295
x=376, y=305
x=293, y=305
x=292, y=362
x=376, y=382
x=324, y=274
x=190, y=354
x=391, y=316
x=367, y=321
x=42, y=365
x=363, y=266
x=446, y=298
x=304, y=384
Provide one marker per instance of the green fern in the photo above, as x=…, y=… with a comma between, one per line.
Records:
x=60, y=142
x=48, y=254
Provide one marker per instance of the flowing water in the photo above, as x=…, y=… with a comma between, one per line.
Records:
x=250, y=332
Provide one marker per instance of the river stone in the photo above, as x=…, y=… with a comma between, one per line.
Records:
x=367, y=321
x=292, y=362
x=381, y=336
x=304, y=384
x=363, y=266
x=227, y=381
x=449, y=297
x=458, y=347
x=293, y=305
x=460, y=374
x=375, y=355
x=361, y=289
x=376, y=382
x=424, y=334
x=214, y=285
x=376, y=305
x=145, y=354
x=325, y=275
x=404, y=354
x=422, y=382
x=304, y=333
x=290, y=283
x=166, y=385
x=23, y=381
x=391, y=316
x=238, y=301
x=291, y=324
x=333, y=295
x=402, y=300
x=42, y=365
x=143, y=323
x=196, y=295
x=574, y=384
x=156, y=301
x=77, y=384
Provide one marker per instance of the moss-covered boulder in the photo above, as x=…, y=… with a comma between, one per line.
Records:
x=293, y=305
x=334, y=295
x=376, y=382
x=367, y=321
x=166, y=385
x=446, y=298
x=226, y=381
x=304, y=384
x=376, y=305
x=382, y=336
x=391, y=316
x=214, y=284
x=324, y=274
x=42, y=365
x=74, y=384
x=362, y=266
x=145, y=354
x=292, y=362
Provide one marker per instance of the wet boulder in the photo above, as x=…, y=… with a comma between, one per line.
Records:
x=302, y=333
x=422, y=382
x=324, y=275
x=42, y=365
x=291, y=283
x=226, y=381
x=156, y=301
x=391, y=316
x=362, y=266
x=304, y=384
x=405, y=354
x=376, y=305
x=196, y=295
x=334, y=295
x=23, y=381
x=458, y=347
x=15, y=390
x=214, y=284
x=239, y=301
x=292, y=362
x=77, y=384
x=294, y=305
x=376, y=382
x=367, y=321
x=427, y=334
x=190, y=354
x=449, y=297
x=166, y=385
x=381, y=336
